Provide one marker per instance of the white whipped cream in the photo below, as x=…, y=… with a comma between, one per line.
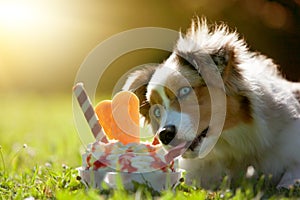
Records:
x=133, y=157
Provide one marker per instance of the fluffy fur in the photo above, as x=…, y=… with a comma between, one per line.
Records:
x=261, y=127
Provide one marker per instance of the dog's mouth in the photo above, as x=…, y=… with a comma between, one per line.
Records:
x=181, y=147
x=195, y=143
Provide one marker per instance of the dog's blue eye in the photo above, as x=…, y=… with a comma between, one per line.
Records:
x=156, y=112
x=184, y=91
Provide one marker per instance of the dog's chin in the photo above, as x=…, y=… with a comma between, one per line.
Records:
x=189, y=154
x=192, y=151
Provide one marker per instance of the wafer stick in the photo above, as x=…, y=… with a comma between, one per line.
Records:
x=89, y=113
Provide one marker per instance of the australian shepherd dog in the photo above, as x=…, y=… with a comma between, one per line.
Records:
x=223, y=107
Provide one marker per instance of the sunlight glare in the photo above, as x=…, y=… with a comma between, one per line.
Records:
x=31, y=36
x=15, y=15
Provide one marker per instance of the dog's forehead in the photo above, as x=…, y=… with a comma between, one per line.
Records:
x=172, y=75
x=156, y=90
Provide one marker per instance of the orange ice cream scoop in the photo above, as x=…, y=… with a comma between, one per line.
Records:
x=120, y=117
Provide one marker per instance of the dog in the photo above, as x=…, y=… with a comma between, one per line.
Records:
x=223, y=107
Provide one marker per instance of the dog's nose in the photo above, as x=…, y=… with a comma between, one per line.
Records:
x=167, y=134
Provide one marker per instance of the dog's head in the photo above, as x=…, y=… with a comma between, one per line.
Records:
x=186, y=98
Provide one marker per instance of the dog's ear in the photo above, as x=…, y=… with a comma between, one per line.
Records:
x=222, y=59
x=226, y=61
x=137, y=83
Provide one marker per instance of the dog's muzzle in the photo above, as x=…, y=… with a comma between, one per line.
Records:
x=167, y=135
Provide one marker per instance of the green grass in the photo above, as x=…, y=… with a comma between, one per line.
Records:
x=40, y=150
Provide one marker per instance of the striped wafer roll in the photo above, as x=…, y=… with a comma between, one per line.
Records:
x=88, y=110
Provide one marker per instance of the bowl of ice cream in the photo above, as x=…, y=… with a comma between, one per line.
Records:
x=143, y=163
x=118, y=155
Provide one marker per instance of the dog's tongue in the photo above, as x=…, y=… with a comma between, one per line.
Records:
x=175, y=152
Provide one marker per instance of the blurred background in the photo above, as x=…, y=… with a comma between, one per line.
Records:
x=43, y=43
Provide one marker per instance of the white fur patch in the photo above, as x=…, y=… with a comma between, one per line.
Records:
x=158, y=82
